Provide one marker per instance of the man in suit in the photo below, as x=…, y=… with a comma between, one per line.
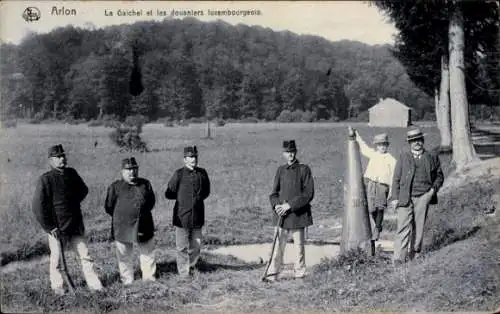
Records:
x=293, y=191
x=129, y=202
x=56, y=205
x=189, y=187
x=417, y=179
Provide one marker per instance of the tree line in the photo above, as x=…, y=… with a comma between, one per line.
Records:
x=193, y=69
x=460, y=42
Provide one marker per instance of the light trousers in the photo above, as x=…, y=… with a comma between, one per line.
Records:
x=298, y=236
x=410, y=230
x=125, y=256
x=188, y=243
x=79, y=245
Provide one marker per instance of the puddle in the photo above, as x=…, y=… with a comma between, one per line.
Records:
x=259, y=253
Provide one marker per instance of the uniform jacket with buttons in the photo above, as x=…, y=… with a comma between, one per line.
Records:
x=130, y=207
x=189, y=189
x=56, y=202
x=405, y=172
x=293, y=184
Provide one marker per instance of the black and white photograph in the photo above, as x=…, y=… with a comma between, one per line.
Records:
x=250, y=156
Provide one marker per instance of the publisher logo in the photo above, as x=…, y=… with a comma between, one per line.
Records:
x=31, y=14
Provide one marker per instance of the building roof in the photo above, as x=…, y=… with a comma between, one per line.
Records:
x=389, y=103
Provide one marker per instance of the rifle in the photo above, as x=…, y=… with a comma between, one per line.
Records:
x=276, y=233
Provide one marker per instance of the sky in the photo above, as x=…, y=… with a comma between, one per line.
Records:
x=333, y=20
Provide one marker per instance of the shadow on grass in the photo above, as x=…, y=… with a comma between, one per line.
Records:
x=202, y=266
x=208, y=267
x=26, y=252
x=450, y=236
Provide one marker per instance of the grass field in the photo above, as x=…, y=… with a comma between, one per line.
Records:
x=241, y=161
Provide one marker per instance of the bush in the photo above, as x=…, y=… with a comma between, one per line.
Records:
x=285, y=116
x=183, y=123
x=10, y=123
x=220, y=122
x=128, y=138
x=38, y=118
x=136, y=120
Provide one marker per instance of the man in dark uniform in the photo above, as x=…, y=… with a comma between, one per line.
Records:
x=56, y=205
x=416, y=181
x=129, y=202
x=189, y=187
x=293, y=190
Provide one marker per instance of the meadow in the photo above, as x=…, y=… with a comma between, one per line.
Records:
x=241, y=160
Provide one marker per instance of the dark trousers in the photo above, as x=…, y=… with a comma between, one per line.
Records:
x=377, y=194
x=376, y=219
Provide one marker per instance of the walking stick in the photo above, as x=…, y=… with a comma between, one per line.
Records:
x=62, y=259
x=65, y=272
x=276, y=233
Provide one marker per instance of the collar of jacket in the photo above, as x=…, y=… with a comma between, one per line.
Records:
x=293, y=165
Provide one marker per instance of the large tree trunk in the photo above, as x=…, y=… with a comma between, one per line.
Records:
x=463, y=150
x=443, y=117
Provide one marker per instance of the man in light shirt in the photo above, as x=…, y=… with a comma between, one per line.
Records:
x=378, y=179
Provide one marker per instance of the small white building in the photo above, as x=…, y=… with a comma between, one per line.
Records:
x=389, y=112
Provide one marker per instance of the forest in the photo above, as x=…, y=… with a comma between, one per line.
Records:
x=193, y=69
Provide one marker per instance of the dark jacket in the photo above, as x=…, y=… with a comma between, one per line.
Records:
x=130, y=207
x=57, y=199
x=189, y=188
x=404, y=174
x=294, y=185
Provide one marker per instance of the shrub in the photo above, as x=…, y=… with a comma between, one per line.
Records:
x=38, y=118
x=128, y=138
x=220, y=122
x=183, y=123
x=128, y=135
x=308, y=116
x=169, y=123
x=285, y=116
x=10, y=123
x=136, y=120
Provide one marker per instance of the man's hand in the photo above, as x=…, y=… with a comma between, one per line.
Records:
x=284, y=209
x=277, y=209
x=56, y=233
x=351, y=132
